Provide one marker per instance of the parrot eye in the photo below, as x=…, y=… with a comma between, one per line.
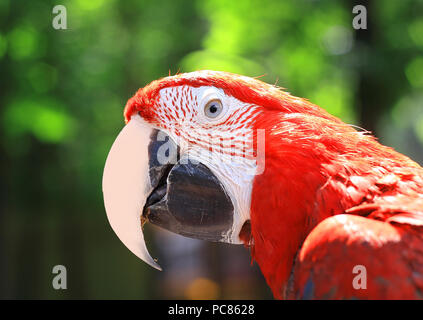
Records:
x=213, y=108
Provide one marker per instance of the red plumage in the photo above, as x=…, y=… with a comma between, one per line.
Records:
x=330, y=198
x=316, y=169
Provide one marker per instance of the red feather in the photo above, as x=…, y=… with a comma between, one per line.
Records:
x=317, y=168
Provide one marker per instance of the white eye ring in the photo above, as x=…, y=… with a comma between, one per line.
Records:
x=213, y=108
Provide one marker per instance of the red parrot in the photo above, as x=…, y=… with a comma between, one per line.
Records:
x=223, y=157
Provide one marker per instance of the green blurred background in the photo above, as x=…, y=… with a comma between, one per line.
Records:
x=62, y=94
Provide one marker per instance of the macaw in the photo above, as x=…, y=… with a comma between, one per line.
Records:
x=223, y=157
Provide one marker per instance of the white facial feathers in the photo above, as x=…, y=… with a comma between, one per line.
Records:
x=224, y=144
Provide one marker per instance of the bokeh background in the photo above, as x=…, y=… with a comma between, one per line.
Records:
x=62, y=94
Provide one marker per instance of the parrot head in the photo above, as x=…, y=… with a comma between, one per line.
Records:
x=201, y=151
x=185, y=160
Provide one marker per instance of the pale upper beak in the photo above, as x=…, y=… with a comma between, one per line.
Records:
x=126, y=186
x=145, y=178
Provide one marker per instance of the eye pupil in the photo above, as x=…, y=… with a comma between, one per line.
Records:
x=213, y=109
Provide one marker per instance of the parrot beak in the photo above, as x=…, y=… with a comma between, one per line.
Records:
x=126, y=186
x=145, y=179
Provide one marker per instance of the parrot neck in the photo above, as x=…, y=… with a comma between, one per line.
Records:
x=314, y=169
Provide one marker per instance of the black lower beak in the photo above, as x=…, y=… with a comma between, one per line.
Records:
x=188, y=199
